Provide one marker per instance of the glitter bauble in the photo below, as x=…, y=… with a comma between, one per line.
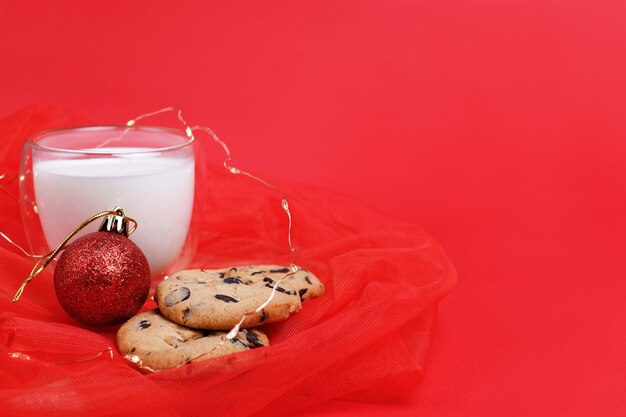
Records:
x=102, y=279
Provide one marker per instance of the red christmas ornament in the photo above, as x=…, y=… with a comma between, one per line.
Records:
x=103, y=278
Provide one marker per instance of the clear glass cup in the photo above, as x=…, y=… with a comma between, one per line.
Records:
x=68, y=175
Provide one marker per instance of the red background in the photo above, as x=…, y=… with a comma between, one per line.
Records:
x=497, y=126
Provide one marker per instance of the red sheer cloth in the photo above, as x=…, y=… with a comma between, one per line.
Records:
x=366, y=339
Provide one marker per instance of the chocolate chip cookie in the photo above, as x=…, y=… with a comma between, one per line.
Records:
x=155, y=343
x=218, y=299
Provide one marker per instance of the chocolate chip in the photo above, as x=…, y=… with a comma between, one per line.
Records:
x=279, y=271
x=302, y=292
x=236, y=340
x=253, y=339
x=281, y=289
x=257, y=272
x=270, y=284
x=133, y=350
x=221, y=275
x=186, y=314
x=263, y=316
x=308, y=280
x=176, y=296
x=144, y=324
x=233, y=280
x=226, y=298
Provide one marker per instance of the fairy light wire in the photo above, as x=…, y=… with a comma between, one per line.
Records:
x=44, y=260
x=230, y=168
x=26, y=357
x=20, y=248
x=295, y=251
x=6, y=178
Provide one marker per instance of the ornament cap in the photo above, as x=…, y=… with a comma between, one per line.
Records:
x=117, y=223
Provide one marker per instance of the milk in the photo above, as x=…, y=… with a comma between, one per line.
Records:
x=155, y=190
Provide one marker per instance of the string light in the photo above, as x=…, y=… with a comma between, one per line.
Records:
x=295, y=251
x=189, y=130
x=30, y=255
x=25, y=357
x=6, y=178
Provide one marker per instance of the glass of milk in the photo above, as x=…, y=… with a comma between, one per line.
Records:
x=68, y=175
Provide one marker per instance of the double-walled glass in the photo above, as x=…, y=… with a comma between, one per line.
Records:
x=70, y=174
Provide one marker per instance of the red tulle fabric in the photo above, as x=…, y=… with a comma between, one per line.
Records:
x=365, y=340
